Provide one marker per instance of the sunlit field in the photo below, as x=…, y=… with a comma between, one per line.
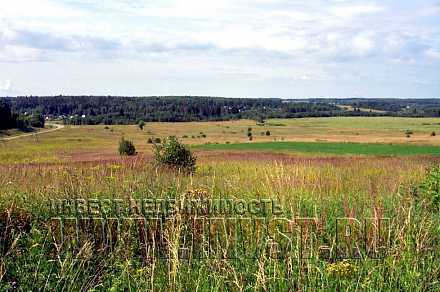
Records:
x=86, y=143
x=82, y=162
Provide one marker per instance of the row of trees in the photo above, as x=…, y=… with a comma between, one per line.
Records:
x=410, y=107
x=109, y=110
x=10, y=120
x=128, y=110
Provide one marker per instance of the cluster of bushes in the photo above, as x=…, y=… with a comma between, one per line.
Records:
x=169, y=153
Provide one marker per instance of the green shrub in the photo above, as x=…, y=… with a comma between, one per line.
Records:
x=126, y=147
x=150, y=140
x=433, y=134
x=141, y=124
x=267, y=133
x=172, y=153
x=431, y=187
x=409, y=132
x=157, y=140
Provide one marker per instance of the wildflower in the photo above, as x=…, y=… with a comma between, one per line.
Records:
x=342, y=269
x=197, y=193
x=14, y=284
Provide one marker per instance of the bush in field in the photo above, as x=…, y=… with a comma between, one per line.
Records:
x=431, y=187
x=433, y=134
x=126, y=147
x=157, y=140
x=150, y=140
x=141, y=124
x=267, y=133
x=172, y=153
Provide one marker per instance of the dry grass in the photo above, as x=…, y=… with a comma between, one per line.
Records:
x=94, y=143
x=81, y=162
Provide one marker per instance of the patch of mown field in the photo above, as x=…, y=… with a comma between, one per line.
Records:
x=329, y=148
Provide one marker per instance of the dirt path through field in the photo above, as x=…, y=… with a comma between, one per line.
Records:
x=57, y=127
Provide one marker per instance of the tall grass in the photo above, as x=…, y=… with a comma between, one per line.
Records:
x=148, y=257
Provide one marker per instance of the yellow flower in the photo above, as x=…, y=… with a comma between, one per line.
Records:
x=342, y=269
x=197, y=193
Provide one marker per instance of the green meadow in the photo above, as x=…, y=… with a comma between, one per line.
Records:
x=386, y=179
x=329, y=148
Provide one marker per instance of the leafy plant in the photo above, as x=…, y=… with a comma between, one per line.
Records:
x=431, y=187
x=172, y=153
x=126, y=147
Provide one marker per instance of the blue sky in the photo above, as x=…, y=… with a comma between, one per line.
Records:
x=236, y=48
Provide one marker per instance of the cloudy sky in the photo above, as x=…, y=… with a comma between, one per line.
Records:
x=237, y=48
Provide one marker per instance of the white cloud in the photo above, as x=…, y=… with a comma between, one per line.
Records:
x=264, y=40
x=363, y=44
x=13, y=53
x=434, y=54
x=36, y=8
x=356, y=10
x=6, y=85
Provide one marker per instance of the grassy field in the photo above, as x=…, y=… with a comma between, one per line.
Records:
x=82, y=163
x=330, y=148
x=85, y=143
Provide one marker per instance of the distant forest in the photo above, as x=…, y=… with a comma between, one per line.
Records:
x=128, y=110
x=11, y=120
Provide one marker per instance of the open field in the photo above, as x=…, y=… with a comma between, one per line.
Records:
x=330, y=148
x=84, y=143
x=81, y=163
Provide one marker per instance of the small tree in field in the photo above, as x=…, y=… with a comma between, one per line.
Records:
x=172, y=153
x=141, y=124
x=126, y=147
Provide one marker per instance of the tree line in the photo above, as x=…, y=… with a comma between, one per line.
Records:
x=10, y=119
x=129, y=110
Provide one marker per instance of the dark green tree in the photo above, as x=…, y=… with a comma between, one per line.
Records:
x=171, y=153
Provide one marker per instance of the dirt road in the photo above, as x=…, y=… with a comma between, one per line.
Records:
x=57, y=127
